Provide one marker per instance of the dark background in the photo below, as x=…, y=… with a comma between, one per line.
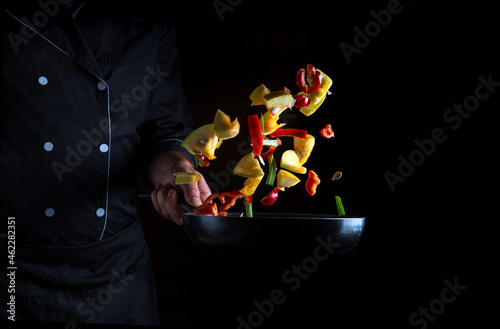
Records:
x=439, y=224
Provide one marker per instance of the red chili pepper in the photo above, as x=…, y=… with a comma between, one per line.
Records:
x=312, y=182
x=255, y=129
x=302, y=101
x=327, y=132
x=271, y=197
x=313, y=79
x=289, y=132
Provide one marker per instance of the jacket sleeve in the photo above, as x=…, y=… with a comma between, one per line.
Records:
x=169, y=119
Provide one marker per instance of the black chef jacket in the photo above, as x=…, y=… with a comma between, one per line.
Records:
x=89, y=99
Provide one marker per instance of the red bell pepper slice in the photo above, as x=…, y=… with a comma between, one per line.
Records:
x=312, y=182
x=271, y=197
x=327, y=132
x=208, y=209
x=269, y=151
x=313, y=79
x=256, y=135
x=291, y=132
x=227, y=199
x=301, y=101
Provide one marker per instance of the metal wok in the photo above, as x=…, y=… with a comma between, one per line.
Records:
x=266, y=230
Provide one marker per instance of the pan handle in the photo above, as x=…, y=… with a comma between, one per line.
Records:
x=186, y=208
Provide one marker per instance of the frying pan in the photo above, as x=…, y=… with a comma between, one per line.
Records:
x=265, y=230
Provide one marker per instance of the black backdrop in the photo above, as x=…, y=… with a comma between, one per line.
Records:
x=438, y=224
x=436, y=229
x=397, y=87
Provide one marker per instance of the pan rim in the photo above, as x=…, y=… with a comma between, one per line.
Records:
x=277, y=216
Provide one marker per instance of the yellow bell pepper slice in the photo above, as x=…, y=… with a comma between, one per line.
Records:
x=251, y=185
x=303, y=147
x=257, y=96
x=186, y=178
x=286, y=179
x=290, y=161
x=318, y=97
x=225, y=128
x=270, y=123
x=248, y=167
x=278, y=101
x=202, y=141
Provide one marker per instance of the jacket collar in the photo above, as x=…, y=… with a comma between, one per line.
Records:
x=57, y=26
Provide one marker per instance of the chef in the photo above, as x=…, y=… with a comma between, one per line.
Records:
x=91, y=97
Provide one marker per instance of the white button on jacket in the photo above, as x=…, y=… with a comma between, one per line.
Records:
x=101, y=85
x=100, y=212
x=48, y=146
x=43, y=80
x=49, y=212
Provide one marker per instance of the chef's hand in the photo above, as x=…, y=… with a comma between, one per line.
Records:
x=166, y=195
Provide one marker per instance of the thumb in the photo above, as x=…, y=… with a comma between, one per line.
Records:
x=192, y=195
